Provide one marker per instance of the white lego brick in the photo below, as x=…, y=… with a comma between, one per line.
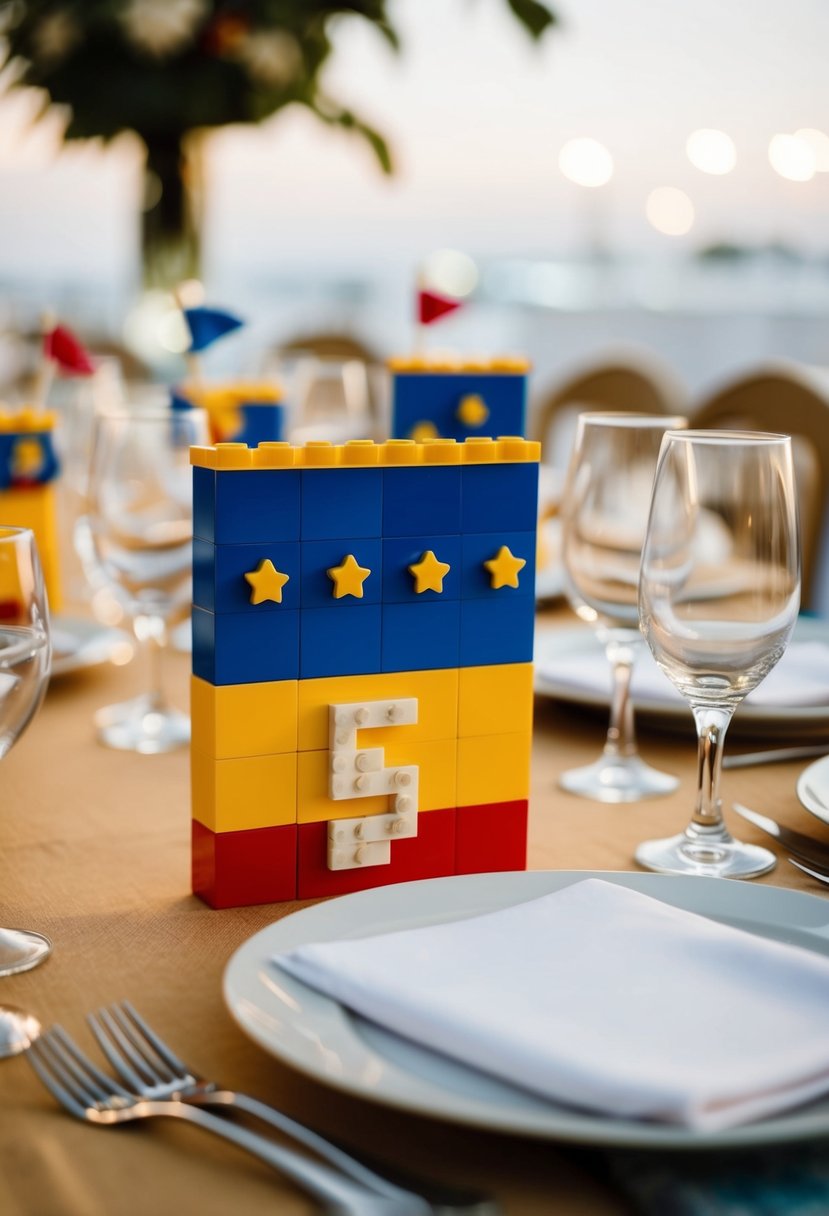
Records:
x=358, y=855
x=345, y=720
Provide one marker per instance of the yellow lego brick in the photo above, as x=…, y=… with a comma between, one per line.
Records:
x=35, y=508
x=249, y=792
x=496, y=699
x=357, y=453
x=437, y=709
x=231, y=720
x=493, y=768
x=436, y=759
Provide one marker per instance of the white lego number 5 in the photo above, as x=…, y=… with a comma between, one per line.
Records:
x=361, y=773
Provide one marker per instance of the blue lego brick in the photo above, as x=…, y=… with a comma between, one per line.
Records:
x=262, y=422
x=342, y=640
x=342, y=503
x=480, y=547
x=402, y=552
x=242, y=648
x=500, y=497
x=319, y=556
x=219, y=582
x=436, y=396
x=423, y=500
x=246, y=506
x=27, y=458
x=497, y=630
x=418, y=637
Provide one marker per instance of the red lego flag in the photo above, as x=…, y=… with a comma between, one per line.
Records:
x=63, y=348
x=431, y=306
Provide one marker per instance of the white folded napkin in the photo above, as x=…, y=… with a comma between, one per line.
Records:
x=602, y=998
x=800, y=679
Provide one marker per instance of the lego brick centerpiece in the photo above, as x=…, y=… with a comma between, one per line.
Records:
x=28, y=470
x=457, y=398
x=362, y=663
x=238, y=412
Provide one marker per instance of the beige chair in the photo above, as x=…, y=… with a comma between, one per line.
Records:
x=794, y=399
x=627, y=380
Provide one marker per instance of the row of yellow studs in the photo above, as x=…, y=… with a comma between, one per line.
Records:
x=514, y=365
x=358, y=453
x=26, y=419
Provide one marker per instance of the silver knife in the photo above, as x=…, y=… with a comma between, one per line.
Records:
x=776, y=755
x=805, y=847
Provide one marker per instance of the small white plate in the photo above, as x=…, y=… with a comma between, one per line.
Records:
x=671, y=711
x=78, y=643
x=334, y=1046
x=813, y=788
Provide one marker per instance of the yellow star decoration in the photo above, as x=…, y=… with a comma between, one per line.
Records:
x=504, y=568
x=423, y=430
x=267, y=582
x=429, y=573
x=472, y=410
x=348, y=578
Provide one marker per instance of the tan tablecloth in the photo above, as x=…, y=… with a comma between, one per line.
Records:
x=94, y=851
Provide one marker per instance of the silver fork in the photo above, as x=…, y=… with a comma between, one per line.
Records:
x=146, y=1064
x=86, y=1092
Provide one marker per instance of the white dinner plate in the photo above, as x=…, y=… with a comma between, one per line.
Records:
x=673, y=712
x=321, y=1038
x=78, y=643
x=813, y=788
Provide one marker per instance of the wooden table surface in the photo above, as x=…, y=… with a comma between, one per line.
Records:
x=94, y=851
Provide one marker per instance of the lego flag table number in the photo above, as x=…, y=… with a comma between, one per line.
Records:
x=28, y=471
x=362, y=664
x=457, y=399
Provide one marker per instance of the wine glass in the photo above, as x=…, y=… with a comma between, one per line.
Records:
x=718, y=612
x=25, y=657
x=140, y=524
x=604, y=513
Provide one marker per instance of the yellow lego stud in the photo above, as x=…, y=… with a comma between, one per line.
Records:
x=472, y=411
x=267, y=582
x=429, y=573
x=348, y=578
x=504, y=568
x=423, y=430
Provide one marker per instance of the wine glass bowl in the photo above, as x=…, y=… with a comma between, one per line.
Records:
x=604, y=514
x=717, y=617
x=25, y=657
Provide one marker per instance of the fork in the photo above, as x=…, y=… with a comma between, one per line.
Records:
x=151, y=1069
x=86, y=1092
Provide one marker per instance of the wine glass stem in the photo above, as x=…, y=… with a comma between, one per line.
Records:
x=707, y=820
x=152, y=634
x=621, y=736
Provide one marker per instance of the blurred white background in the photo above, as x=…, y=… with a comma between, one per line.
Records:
x=302, y=230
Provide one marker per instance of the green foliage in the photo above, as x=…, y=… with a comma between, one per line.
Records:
x=164, y=67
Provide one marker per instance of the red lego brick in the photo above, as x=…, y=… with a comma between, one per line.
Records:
x=491, y=837
x=430, y=854
x=231, y=869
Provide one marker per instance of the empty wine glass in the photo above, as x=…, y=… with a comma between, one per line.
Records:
x=604, y=514
x=718, y=613
x=140, y=523
x=25, y=655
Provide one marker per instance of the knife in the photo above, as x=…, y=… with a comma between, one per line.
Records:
x=805, y=847
x=776, y=755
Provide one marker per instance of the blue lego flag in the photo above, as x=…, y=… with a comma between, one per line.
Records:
x=206, y=325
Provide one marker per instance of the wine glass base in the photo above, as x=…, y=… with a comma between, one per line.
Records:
x=617, y=779
x=22, y=949
x=707, y=858
x=142, y=726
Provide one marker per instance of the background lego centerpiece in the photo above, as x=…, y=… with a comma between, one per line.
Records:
x=28, y=470
x=393, y=582
x=239, y=412
x=458, y=399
